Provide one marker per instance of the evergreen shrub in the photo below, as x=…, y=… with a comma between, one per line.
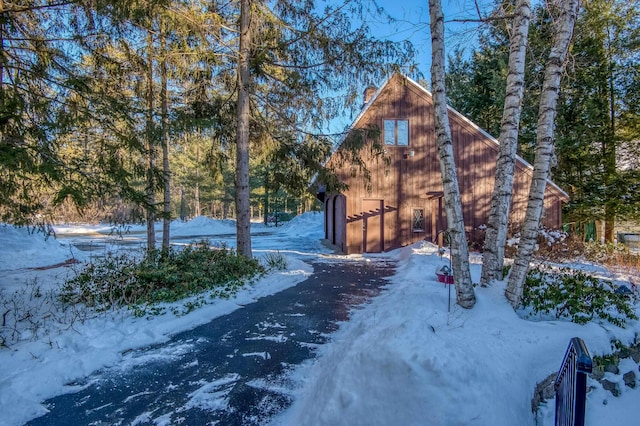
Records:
x=577, y=296
x=122, y=279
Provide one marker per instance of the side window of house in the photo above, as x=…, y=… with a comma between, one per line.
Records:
x=396, y=132
x=418, y=220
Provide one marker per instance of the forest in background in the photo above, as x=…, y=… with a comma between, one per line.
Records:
x=597, y=132
x=125, y=111
x=110, y=108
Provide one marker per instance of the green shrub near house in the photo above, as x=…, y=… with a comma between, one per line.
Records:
x=577, y=296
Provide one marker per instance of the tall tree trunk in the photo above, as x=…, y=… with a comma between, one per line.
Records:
x=166, y=210
x=545, y=154
x=2, y=58
x=453, y=205
x=496, y=237
x=196, y=202
x=266, y=198
x=243, y=222
x=182, y=205
x=196, y=191
x=610, y=144
x=151, y=151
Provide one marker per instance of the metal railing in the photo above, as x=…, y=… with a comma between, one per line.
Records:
x=571, y=385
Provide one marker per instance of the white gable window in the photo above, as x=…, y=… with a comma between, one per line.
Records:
x=396, y=132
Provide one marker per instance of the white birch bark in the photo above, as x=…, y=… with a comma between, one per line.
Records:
x=545, y=150
x=465, y=296
x=243, y=221
x=496, y=233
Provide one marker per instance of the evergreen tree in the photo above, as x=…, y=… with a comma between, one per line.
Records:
x=62, y=86
x=598, y=116
x=597, y=121
x=41, y=93
x=108, y=83
x=164, y=114
x=151, y=144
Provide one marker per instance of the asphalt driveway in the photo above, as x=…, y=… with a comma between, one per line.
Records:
x=234, y=370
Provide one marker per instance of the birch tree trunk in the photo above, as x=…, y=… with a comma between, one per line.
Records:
x=151, y=151
x=166, y=210
x=496, y=234
x=465, y=296
x=545, y=154
x=243, y=221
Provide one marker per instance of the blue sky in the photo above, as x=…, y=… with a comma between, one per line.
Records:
x=413, y=23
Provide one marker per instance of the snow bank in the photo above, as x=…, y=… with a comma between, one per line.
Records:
x=27, y=247
x=202, y=225
x=90, y=229
x=309, y=225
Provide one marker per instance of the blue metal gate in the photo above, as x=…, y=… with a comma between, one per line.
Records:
x=571, y=385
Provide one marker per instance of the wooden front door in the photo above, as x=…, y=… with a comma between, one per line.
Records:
x=340, y=222
x=372, y=226
x=438, y=220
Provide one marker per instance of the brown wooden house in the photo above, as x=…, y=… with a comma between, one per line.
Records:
x=402, y=201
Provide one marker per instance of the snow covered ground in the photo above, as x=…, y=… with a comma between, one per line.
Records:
x=406, y=360
x=403, y=359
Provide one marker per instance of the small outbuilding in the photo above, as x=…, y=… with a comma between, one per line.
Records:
x=399, y=199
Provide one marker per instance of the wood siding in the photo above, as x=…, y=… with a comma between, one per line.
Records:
x=412, y=178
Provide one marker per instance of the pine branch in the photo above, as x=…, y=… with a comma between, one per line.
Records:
x=20, y=9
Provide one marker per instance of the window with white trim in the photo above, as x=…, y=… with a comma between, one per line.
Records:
x=396, y=132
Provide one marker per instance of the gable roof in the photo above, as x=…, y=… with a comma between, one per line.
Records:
x=452, y=110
